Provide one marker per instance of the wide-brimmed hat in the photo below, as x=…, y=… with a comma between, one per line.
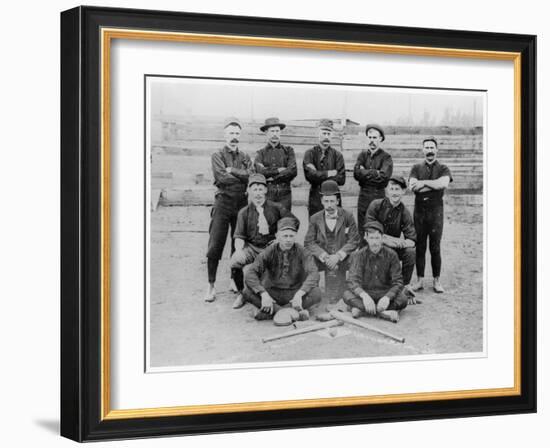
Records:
x=329, y=188
x=232, y=121
x=374, y=225
x=272, y=121
x=325, y=123
x=378, y=128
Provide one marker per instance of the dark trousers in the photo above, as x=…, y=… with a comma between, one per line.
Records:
x=222, y=218
x=283, y=297
x=281, y=194
x=407, y=256
x=399, y=303
x=314, y=203
x=363, y=202
x=428, y=222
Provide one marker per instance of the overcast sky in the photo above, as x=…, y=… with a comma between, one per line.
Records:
x=258, y=100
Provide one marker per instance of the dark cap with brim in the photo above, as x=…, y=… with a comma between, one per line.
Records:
x=431, y=138
x=374, y=225
x=378, y=128
x=327, y=124
x=288, y=223
x=232, y=121
x=399, y=180
x=257, y=178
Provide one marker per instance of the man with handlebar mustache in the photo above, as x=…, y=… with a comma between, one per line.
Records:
x=231, y=169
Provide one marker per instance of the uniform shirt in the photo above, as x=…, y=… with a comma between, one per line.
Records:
x=427, y=171
x=247, y=223
x=272, y=158
x=394, y=219
x=377, y=169
x=237, y=180
x=292, y=269
x=324, y=161
x=376, y=274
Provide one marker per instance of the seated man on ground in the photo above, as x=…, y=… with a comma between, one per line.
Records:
x=255, y=230
x=375, y=282
x=397, y=221
x=331, y=237
x=283, y=274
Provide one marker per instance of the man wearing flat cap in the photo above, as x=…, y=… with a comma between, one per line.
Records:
x=322, y=162
x=277, y=163
x=372, y=170
x=256, y=229
x=231, y=169
x=331, y=238
x=375, y=284
x=284, y=274
x=397, y=221
x=428, y=181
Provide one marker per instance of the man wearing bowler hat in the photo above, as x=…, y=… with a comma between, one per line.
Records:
x=397, y=221
x=231, y=169
x=322, y=162
x=283, y=274
x=375, y=284
x=372, y=170
x=331, y=238
x=428, y=181
x=256, y=228
x=277, y=163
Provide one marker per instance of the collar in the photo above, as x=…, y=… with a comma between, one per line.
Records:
x=388, y=203
x=430, y=163
x=333, y=216
x=261, y=205
x=270, y=146
x=228, y=150
x=371, y=152
x=320, y=148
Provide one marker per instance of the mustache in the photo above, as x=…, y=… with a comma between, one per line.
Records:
x=325, y=140
x=430, y=154
x=235, y=140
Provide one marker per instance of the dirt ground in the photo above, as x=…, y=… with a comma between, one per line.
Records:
x=187, y=331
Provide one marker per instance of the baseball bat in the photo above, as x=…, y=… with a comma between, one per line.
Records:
x=350, y=320
x=309, y=329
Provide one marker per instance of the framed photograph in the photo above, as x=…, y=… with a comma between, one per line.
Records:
x=277, y=224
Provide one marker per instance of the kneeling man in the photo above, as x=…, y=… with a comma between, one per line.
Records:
x=396, y=219
x=284, y=273
x=255, y=230
x=331, y=237
x=375, y=282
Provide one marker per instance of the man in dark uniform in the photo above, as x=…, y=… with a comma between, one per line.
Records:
x=428, y=181
x=322, y=162
x=372, y=170
x=277, y=163
x=397, y=220
x=375, y=282
x=284, y=273
x=231, y=169
x=256, y=229
x=331, y=238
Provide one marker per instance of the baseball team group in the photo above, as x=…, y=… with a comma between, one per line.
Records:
x=368, y=262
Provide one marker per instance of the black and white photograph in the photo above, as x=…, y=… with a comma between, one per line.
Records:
x=308, y=222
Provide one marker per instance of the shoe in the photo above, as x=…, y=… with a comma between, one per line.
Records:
x=437, y=286
x=342, y=306
x=391, y=315
x=233, y=286
x=210, y=295
x=303, y=315
x=239, y=302
x=324, y=317
x=419, y=285
x=356, y=312
x=260, y=315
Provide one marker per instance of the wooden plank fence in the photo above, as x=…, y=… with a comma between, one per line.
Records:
x=181, y=152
